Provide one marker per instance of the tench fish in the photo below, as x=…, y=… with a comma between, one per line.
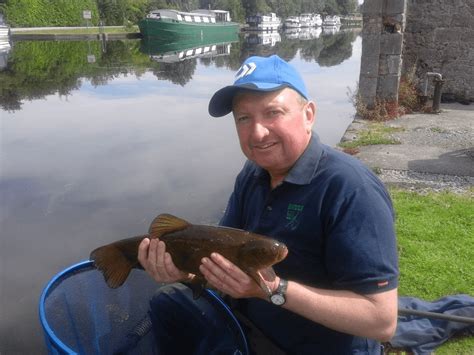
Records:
x=188, y=244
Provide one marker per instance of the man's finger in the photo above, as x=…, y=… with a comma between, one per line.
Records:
x=143, y=251
x=229, y=268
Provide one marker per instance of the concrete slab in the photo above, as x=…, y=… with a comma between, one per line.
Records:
x=429, y=143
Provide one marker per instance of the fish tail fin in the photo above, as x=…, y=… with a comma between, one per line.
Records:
x=116, y=260
x=166, y=223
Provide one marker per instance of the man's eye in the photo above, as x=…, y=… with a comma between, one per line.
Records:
x=241, y=119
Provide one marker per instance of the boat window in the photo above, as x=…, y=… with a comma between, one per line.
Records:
x=205, y=19
x=180, y=18
x=197, y=19
x=188, y=18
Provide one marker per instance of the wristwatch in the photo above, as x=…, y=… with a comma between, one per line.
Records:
x=278, y=297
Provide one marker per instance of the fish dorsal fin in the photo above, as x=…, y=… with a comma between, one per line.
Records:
x=166, y=223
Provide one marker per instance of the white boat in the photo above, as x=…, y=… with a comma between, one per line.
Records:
x=332, y=20
x=269, y=22
x=317, y=19
x=292, y=22
x=4, y=32
x=4, y=45
x=306, y=20
x=310, y=20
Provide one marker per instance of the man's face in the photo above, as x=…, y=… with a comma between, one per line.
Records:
x=274, y=128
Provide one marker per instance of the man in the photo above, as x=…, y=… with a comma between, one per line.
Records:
x=336, y=292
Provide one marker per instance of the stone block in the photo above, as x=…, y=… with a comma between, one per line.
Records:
x=390, y=64
x=393, y=7
x=391, y=43
x=370, y=44
x=387, y=87
x=372, y=7
x=367, y=89
x=369, y=65
x=446, y=35
x=372, y=26
x=467, y=36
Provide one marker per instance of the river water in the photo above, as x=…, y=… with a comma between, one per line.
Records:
x=97, y=138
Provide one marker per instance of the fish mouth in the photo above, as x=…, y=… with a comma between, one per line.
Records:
x=282, y=251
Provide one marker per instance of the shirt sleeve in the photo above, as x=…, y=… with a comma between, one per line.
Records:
x=361, y=251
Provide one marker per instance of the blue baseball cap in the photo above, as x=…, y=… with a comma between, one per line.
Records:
x=257, y=74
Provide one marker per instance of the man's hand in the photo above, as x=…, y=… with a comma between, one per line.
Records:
x=230, y=279
x=158, y=263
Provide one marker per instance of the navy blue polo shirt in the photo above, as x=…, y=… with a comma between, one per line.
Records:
x=336, y=219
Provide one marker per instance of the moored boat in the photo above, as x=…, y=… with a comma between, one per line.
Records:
x=174, y=25
x=317, y=20
x=310, y=20
x=292, y=22
x=332, y=20
x=259, y=22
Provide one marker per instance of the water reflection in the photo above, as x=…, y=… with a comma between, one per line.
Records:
x=92, y=150
x=172, y=52
x=265, y=38
x=33, y=69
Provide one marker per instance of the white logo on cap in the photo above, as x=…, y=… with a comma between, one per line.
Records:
x=245, y=70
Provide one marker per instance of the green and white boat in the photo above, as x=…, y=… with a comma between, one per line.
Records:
x=175, y=25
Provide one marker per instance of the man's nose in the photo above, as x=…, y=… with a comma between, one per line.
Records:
x=259, y=130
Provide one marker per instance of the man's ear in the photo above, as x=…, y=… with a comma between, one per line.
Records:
x=310, y=114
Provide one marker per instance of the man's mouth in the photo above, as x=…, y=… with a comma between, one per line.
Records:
x=263, y=146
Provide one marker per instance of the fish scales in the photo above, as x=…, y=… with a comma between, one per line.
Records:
x=187, y=245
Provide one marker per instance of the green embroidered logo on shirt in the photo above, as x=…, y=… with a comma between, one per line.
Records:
x=293, y=211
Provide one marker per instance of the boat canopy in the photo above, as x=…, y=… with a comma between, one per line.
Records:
x=181, y=16
x=220, y=15
x=201, y=15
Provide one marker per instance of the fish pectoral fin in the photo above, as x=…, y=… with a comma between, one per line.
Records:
x=166, y=223
x=257, y=276
x=197, y=285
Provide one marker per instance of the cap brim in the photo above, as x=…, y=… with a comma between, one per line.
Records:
x=221, y=102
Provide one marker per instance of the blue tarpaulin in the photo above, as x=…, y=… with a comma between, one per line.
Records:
x=422, y=335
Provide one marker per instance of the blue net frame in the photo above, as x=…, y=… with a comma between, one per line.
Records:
x=80, y=314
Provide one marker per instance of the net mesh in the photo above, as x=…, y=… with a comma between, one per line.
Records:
x=81, y=314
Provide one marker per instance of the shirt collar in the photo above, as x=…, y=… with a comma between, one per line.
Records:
x=305, y=167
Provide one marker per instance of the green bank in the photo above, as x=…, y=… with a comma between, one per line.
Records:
x=436, y=247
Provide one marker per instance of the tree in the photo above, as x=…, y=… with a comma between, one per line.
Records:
x=347, y=6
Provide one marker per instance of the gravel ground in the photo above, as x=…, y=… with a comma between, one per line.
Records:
x=425, y=182
x=436, y=151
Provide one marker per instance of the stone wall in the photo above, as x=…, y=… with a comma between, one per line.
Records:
x=439, y=37
x=382, y=38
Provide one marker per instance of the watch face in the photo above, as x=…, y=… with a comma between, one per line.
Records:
x=278, y=299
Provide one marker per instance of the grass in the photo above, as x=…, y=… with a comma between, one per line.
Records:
x=376, y=133
x=435, y=234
